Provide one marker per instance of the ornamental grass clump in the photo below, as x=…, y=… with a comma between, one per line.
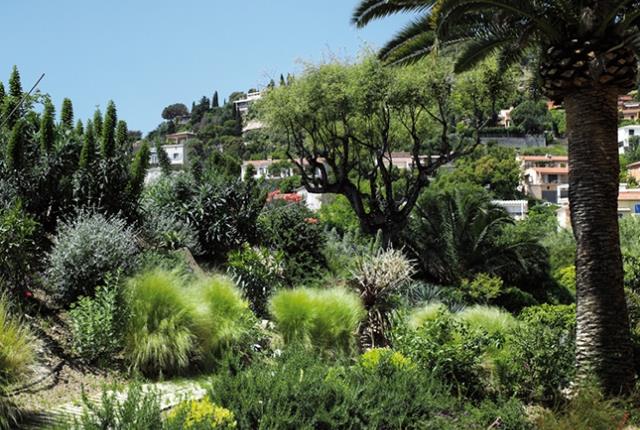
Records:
x=324, y=319
x=222, y=316
x=160, y=335
x=16, y=346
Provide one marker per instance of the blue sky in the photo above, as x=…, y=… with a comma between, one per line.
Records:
x=146, y=54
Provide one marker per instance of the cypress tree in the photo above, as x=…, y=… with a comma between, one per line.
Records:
x=79, y=128
x=139, y=170
x=272, y=84
x=1, y=93
x=214, y=100
x=47, y=127
x=97, y=124
x=88, y=147
x=163, y=159
x=66, y=114
x=108, y=144
x=122, y=135
x=15, y=147
x=15, y=85
x=282, y=81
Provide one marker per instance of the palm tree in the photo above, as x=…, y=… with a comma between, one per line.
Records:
x=586, y=52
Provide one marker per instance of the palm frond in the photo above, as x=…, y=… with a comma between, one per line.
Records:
x=369, y=10
x=409, y=51
x=476, y=51
x=410, y=32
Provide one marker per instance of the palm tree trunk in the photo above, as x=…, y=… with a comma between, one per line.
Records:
x=603, y=345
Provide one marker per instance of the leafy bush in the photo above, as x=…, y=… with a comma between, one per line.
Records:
x=139, y=410
x=482, y=289
x=167, y=231
x=379, y=357
x=566, y=277
x=200, y=415
x=16, y=345
x=221, y=315
x=18, y=251
x=97, y=324
x=160, y=334
x=259, y=273
x=338, y=214
x=300, y=391
x=537, y=360
x=85, y=250
x=494, y=321
x=326, y=319
x=341, y=251
x=292, y=229
x=379, y=279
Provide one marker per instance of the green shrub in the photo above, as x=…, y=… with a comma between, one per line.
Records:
x=97, y=324
x=425, y=314
x=222, y=316
x=160, y=332
x=164, y=230
x=483, y=288
x=17, y=352
x=375, y=358
x=537, y=360
x=301, y=391
x=326, y=319
x=18, y=251
x=494, y=321
x=85, y=250
x=338, y=214
x=139, y=410
x=294, y=230
x=566, y=277
x=258, y=272
x=200, y=415
x=379, y=278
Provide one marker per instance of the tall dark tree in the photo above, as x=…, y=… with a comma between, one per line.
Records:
x=88, y=151
x=79, y=128
x=139, y=169
x=214, y=100
x=97, y=124
x=15, y=84
x=282, y=81
x=14, y=156
x=11, y=111
x=2, y=93
x=163, y=159
x=47, y=128
x=66, y=114
x=587, y=56
x=122, y=137
x=108, y=142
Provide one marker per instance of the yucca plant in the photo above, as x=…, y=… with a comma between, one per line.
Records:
x=379, y=278
x=586, y=53
x=160, y=336
x=326, y=319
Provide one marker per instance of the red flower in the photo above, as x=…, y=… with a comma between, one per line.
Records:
x=28, y=294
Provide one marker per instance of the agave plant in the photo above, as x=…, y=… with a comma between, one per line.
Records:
x=586, y=54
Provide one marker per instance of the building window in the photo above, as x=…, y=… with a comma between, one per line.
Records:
x=552, y=179
x=175, y=156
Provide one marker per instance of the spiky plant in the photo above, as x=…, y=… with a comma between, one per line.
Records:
x=586, y=51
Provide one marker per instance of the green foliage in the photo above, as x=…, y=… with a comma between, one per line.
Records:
x=17, y=351
x=339, y=215
x=159, y=338
x=167, y=231
x=537, y=361
x=108, y=132
x=47, y=128
x=300, y=391
x=200, y=415
x=379, y=278
x=294, y=230
x=122, y=138
x=84, y=251
x=97, y=324
x=18, y=250
x=566, y=277
x=559, y=121
x=532, y=116
x=326, y=319
x=494, y=321
x=376, y=358
x=258, y=272
x=163, y=159
x=66, y=114
x=174, y=110
x=88, y=151
x=482, y=289
x=14, y=153
x=139, y=169
x=222, y=316
x=139, y=410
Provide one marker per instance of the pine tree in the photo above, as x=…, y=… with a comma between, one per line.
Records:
x=214, y=100
x=15, y=85
x=66, y=114
x=122, y=136
x=79, y=128
x=97, y=124
x=10, y=110
x=15, y=147
x=108, y=143
x=88, y=147
x=139, y=170
x=47, y=127
x=163, y=159
x=282, y=81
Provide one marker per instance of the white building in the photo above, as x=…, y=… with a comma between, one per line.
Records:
x=242, y=106
x=267, y=169
x=625, y=134
x=177, y=154
x=517, y=209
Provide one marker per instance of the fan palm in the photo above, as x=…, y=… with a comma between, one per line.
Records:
x=587, y=54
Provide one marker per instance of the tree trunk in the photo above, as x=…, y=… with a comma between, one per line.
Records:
x=603, y=345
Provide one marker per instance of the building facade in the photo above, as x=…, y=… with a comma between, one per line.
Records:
x=543, y=175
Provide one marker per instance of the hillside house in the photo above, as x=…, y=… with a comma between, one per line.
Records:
x=543, y=174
